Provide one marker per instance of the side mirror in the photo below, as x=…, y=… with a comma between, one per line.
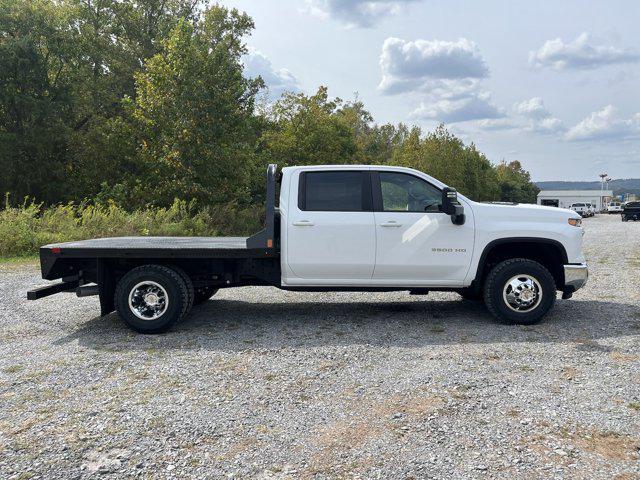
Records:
x=451, y=206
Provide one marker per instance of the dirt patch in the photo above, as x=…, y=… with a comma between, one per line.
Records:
x=624, y=357
x=611, y=445
x=369, y=422
x=569, y=373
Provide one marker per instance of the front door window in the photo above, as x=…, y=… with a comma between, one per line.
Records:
x=405, y=193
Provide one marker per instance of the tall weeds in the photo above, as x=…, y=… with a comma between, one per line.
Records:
x=25, y=228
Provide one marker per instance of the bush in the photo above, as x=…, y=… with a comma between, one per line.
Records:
x=25, y=228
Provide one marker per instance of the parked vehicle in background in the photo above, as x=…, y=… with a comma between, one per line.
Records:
x=592, y=209
x=581, y=209
x=614, y=207
x=631, y=211
x=339, y=228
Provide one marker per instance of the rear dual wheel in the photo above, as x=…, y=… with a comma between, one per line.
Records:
x=153, y=298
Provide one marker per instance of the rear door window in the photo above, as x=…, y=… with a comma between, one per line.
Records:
x=338, y=191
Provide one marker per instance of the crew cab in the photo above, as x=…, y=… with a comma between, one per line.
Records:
x=339, y=228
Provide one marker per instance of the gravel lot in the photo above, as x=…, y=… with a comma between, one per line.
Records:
x=261, y=383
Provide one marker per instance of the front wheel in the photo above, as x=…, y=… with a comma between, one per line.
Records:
x=624, y=218
x=519, y=291
x=152, y=298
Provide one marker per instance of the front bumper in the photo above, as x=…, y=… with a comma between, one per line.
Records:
x=575, y=277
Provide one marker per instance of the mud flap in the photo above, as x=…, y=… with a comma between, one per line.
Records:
x=106, y=287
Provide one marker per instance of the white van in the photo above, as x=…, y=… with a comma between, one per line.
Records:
x=614, y=207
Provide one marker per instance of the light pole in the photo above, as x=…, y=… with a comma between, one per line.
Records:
x=602, y=177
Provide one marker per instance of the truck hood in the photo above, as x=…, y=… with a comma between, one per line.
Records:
x=523, y=210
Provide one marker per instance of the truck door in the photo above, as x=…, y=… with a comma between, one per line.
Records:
x=416, y=243
x=331, y=232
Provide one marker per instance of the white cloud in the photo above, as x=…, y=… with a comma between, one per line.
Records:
x=474, y=106
x=495, y=124
x=548, y=125
x=580, y=53
x=446, y=74
x=414, y=65
x=539, y=119
x=605, y=124
x=532, y=108
x=357, y=13
x=278, y=81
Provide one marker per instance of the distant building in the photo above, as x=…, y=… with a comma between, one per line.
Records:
x=566, y=198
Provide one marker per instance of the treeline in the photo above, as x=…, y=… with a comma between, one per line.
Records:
x=140, y=103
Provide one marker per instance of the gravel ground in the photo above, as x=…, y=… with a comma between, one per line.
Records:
x=261, y=383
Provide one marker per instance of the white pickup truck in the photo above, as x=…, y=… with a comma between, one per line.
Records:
x=583, y=209
x=339, y=228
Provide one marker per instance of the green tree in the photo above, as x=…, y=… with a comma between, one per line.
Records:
x=65, y=67
x=308, y=130
x=113, y=39
x=445, y=157
x=194, y=113
x=35, y=99
x=515, y=183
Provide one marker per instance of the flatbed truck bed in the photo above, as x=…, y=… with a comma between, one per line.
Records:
x=157, y=247
x=94, y=266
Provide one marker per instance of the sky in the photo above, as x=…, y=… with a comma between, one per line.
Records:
x=553, y=84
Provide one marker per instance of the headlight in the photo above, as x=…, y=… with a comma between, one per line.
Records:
x=576, y=222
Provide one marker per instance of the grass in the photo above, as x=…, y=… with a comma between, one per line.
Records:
x=19, y=261
x=13, y=369
x=634, y=262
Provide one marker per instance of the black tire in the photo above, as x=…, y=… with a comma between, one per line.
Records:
x=175, y=290
x=471, y=295
x=505, y=272
x=202, y=294
x=624, y=218
x=189, y=283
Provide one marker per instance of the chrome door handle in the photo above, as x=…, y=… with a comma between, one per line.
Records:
x=391, y=224
x=303, y=223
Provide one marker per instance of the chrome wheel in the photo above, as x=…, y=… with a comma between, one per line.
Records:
x=148, y=300
x=522, y=293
